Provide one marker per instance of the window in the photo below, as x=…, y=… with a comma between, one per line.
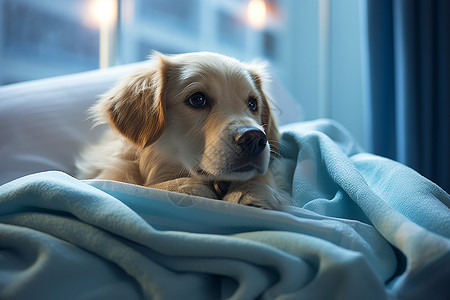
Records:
x=47, y=40
x=54, y=38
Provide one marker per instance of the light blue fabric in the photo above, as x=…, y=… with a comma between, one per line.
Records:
x=361, y=227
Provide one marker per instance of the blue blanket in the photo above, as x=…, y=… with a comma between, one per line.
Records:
x=360, y=227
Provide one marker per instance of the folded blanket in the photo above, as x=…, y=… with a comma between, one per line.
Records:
x=360, y=227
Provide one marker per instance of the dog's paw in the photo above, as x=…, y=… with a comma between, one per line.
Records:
x=189, y=186
x=256, y=194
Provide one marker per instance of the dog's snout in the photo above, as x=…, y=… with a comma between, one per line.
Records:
x=251, y=140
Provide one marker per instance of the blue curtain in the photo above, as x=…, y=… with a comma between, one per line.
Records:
x=406, y=55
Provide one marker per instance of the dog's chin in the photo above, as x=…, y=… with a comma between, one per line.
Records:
x=239, y=173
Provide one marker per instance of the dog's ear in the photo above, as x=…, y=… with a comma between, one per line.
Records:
x=260, y=79
x=136, y=106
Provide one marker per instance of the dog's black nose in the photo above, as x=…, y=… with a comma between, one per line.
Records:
x=251, y=140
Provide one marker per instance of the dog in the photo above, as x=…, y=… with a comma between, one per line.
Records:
x=195, y=123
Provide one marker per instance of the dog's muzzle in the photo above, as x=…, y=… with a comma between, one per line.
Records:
x=248, y=157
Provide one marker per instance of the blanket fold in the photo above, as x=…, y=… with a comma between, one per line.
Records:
x=360, y=227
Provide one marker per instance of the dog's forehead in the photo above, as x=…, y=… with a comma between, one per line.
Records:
x=218, y=69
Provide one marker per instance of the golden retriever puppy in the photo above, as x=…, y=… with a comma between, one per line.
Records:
x=195, y=123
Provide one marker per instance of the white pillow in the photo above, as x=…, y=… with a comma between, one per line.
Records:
x=44, y=124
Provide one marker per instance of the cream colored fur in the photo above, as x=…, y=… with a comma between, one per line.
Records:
x=159, y=140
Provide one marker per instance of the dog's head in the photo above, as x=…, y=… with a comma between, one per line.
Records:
x=206, y=112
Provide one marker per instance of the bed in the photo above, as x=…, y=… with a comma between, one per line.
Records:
x=360, y=226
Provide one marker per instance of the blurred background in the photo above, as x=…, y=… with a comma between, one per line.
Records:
x=379, y=67
x=47, y=38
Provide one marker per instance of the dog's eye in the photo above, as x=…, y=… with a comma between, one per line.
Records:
x=197, y=100
x=252, y=104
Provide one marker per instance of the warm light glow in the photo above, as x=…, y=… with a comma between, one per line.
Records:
x=104, y=11
x=256, y=13
x=102, y=14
